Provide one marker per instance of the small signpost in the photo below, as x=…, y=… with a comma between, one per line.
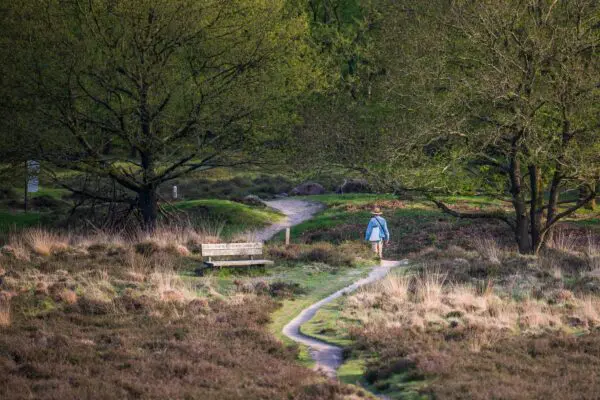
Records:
x=174, y=193
x=287, y=236
x=32, y=180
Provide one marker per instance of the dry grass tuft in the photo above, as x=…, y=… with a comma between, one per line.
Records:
x=395, y=286
x=5, y=312
x=427, y=301
x=100, y=239
x=45, y=243
x=243, y=237
x=488, y=248
x=589, y=310
x=68, y=296
x=169, y=286
x=563, y=240
x=430, y=287
x=17, y=249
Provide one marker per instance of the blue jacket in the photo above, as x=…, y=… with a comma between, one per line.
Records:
x=377, y=221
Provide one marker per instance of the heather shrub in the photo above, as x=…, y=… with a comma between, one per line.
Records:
x=345, y=254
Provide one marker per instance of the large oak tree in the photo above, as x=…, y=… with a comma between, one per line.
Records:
x=143, y=92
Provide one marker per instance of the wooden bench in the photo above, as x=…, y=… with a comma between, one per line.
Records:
x=233, y=249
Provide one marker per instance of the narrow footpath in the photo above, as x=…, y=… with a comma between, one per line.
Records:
x=328, y=357
x=296, y=212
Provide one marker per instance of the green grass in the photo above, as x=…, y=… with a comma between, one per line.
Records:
x=18, y=220
x=55, y=193
x=330, y=326
x=319, y=285
x=351, y=198
x=347, y=216
x=237, y=217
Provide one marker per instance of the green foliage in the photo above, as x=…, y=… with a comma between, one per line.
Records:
x=144, y=93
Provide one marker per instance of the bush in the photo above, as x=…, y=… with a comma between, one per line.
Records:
x=8, y=194
x=285, y=290
x=346, y=254
x=264, y=186
x=46, y=202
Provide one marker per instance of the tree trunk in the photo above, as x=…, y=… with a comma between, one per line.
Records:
x=536, y=207
x=521, y=228
x=148, y=205
x=584, y=192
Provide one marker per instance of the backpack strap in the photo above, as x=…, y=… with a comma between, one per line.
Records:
x=379, y=223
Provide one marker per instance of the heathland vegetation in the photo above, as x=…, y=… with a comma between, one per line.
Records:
x=153, y=127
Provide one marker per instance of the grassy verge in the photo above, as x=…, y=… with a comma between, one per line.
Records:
x=332, y=325
x=319, y=285
x=236, y=217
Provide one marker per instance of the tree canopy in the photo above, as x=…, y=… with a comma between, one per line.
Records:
x=143, y=92
x=494, y=97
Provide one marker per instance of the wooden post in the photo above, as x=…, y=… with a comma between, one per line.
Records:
x=287, y=236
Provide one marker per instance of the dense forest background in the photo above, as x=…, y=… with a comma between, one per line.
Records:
x=117, y=98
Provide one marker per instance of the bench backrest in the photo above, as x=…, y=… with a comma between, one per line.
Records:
x=231, y=249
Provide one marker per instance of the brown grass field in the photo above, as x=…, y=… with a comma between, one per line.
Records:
x=108, y=316
x=105, y=317
x=485, y=323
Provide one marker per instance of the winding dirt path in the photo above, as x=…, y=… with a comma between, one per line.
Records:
x=296, y=211
x=328, y=357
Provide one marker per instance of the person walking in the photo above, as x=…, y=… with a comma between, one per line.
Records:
x=377, y=232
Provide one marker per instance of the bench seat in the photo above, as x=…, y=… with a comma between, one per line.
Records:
x=233, y=249
x=237, y=263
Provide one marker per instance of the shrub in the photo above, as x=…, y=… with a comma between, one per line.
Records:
x=9, y=194
x=147, y=248
x=326, y=253
x=5, y=312
x=488, y=248
x=48, y=203
x=94, y=301
x=40, y=241
x=68, y=296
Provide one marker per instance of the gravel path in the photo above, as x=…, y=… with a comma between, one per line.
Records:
x=328, y=357
x=297, y=211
